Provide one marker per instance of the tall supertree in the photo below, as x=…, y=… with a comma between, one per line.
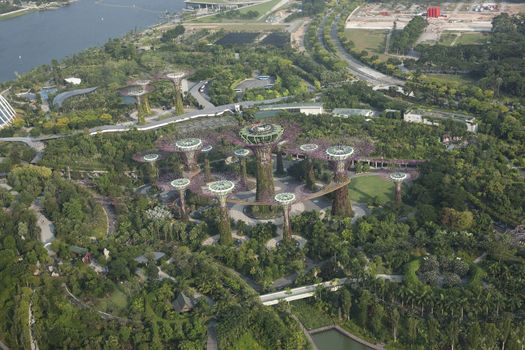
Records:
x=140, y=93
x=176, y=78
x=221, y=189
x=338, y=155
x=188, y=148
x=308, y=149
x=286, y=200
x=149, y=158
x=261, y=138
x=398, y=178
x=181, y=185
x=242, y=154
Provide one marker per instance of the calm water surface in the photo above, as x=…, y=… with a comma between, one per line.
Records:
x=333, y=340
x=37, y=38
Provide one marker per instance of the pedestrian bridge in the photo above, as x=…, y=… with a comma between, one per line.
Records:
x=301, y=292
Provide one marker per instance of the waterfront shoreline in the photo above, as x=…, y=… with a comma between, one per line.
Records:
x=30, y=9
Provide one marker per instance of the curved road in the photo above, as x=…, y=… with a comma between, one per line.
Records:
x=359, y=69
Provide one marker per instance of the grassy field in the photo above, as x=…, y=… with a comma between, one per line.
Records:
x=458, y=38
x=247, y=341
x=458, y=79
x=365, y=188
x=310, y=316
x=471, y=38
x=372, y=41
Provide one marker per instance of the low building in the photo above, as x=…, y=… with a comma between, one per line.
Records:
x=472, y=126
x=352, y=112
x=305, y=108
x=183, y=303
x=413, y=117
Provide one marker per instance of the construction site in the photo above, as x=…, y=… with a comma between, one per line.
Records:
x=472, y=18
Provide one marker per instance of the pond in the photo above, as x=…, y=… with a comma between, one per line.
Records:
x=332, y=339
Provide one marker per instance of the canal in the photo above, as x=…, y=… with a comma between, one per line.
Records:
x=334, y=340
x=37, y=38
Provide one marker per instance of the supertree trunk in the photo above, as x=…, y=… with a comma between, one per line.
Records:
x=179, y=106
x=207, y=169
x=152, y=172
x=265, y=189
x=182, y=204
x=190, y=163
x=244, y=175
x=341, y=203
x=287, y=227
x=279, y=170
x=225, y=233
x=310, y=175
x=147, y=108
x=140, y=111
x=398, y=193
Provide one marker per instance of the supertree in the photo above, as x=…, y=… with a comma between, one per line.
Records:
x=140, y=93
x=207, y=168
x=221, y=189
x=398, y=178
x=308, y=149
x=242, y=154
x=181, y=185
x=338, y=155
x=150, y=158
x=261, y=138
x=176, y=78
x=286, y=200
x=188, y=148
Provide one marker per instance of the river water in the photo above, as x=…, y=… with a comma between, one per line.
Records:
x=37, y=38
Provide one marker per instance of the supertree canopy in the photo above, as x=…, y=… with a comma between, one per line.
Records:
x=398, y=178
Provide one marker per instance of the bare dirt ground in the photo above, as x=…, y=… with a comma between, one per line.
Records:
x=458, y=17
x=297, y=36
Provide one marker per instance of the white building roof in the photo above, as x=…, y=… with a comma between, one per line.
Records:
x=73, y=80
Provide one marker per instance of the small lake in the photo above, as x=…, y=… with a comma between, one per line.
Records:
x=335, y=340
x=37, y=38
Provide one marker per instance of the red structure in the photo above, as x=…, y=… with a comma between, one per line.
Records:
x=433, y=12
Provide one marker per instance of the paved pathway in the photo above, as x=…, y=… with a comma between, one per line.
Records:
x=47, y=229
x=212, y=336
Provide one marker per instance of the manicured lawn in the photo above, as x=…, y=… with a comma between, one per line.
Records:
x=247, y=341
x=372, y=41
x=471, y=38
x=365, y=188
x=459, y=79
x=310, y=316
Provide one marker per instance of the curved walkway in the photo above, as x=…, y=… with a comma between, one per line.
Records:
x=62, y=97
